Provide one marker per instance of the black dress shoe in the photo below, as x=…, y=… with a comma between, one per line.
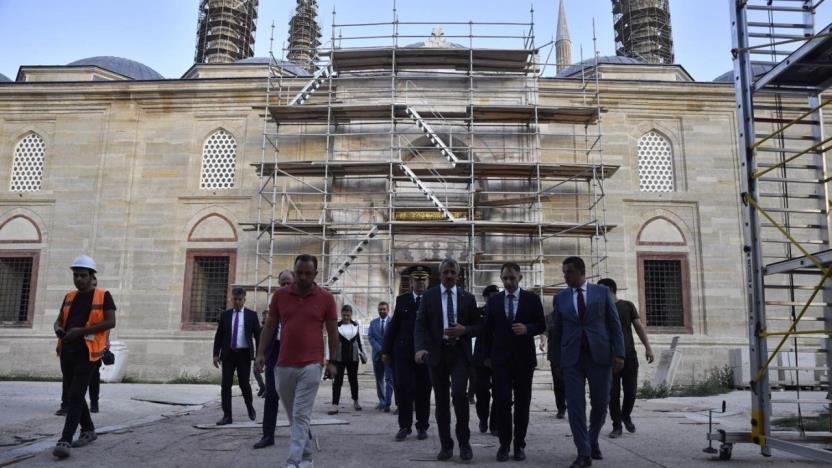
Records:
x=502, y=453
x=421, y=435
x=628, y=424
x=581, y=462
x=445, y=454
x=402, y=434
x=93, y=407
x=252, y=414
x=224, y=421
x=596, y=453
x=261, y=392
x=61, y=411
x=264, y=442
x=561, y=414
x=465, y=453
x=483, y=426
x=495, y=432
x=519, y=454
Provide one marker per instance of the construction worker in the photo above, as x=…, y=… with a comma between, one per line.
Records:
x=81, y=327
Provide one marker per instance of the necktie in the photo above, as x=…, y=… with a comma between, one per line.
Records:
x=581, y=313
x=511, y=307
x=234, y=330
x=451, y=314
x=382, y=327
x=581, y=305
x=418, y=301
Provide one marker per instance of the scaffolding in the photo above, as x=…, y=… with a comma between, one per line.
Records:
x=225, y=30
x=643, y=30
x=780, y=70
x=395, y=154
x=304, y=35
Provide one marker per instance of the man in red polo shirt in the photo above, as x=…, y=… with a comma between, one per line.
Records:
x=303, y=309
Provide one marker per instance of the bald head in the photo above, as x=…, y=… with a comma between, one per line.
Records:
x=286, y=278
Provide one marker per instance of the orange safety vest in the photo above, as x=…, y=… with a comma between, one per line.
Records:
x=97, y=341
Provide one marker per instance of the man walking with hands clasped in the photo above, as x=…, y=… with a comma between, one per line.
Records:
x=446, y=321
x=585, y=322
x=512, y=319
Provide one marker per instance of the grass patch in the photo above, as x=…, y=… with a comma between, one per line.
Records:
x=819, y=423
x=197, y=380
x=719, y=380
x=28, y=378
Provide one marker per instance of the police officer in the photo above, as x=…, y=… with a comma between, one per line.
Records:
x=412, y=380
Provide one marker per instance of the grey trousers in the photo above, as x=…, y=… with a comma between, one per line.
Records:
x=297, y=388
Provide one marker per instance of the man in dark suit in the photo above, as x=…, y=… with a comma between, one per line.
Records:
x=284, y=279
x=412, y=381
x=588, y=345
x=486, y=411
x=446, y=321
x=512, y=319
x=234, y=343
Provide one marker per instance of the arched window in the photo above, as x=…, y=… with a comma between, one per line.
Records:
x=27, y=165
x=219, y=161
x=655, y=163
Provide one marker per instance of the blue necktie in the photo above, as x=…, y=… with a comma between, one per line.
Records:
x=511, y=307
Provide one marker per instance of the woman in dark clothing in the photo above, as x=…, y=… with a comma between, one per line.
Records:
x=350, y=352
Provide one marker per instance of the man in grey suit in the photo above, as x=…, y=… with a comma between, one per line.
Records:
x=445, y=322
x=587, y=345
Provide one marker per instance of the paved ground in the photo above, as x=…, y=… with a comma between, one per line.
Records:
x=671, y=432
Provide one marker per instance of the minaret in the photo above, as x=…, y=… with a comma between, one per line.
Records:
x=304, y=35
x=225, y=31
x=643, y=30
x=563, y=45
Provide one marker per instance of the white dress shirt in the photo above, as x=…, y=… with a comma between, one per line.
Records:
x=454, y=294
x=515, y=300
x=241, y=328
x=575, y=297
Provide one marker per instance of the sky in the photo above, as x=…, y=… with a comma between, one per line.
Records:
x=162, y=33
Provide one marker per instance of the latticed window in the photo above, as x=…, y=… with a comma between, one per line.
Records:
x=219, y=161
x=663, y=293
x=655, y=163
x=27, y=165
x=15, y=289
x=209, y=288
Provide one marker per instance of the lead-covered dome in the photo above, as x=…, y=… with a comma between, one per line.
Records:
x=122, y=66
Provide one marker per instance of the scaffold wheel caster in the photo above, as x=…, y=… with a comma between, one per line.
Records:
x=725, y=451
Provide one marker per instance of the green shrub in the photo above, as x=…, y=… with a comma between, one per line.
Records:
x=719, y=380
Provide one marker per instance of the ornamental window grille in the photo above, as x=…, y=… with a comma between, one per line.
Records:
x=219, y=162
x=27, y=164
x=664, y=293
x=210, y=281
x=655, y=163
x=15, y=289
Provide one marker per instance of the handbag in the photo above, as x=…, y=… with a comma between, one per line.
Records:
x=107, y=357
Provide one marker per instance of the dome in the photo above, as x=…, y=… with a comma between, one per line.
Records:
x=429, y=45
x=122, y=66
x=291, y=67
x=4, y=78
x=728, y=76
x=576, y=69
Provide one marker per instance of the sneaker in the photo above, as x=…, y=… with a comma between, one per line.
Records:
x=62, y=449
x=616, y=433
x=306, y=464
x=85, y=438
x=333, y=410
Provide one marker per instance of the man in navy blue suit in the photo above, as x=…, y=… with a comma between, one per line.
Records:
x=383, y=372
x=588, y=345
x=512, y=319
x=238, y=333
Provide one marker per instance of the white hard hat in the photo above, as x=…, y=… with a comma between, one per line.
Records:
x=84, y=261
